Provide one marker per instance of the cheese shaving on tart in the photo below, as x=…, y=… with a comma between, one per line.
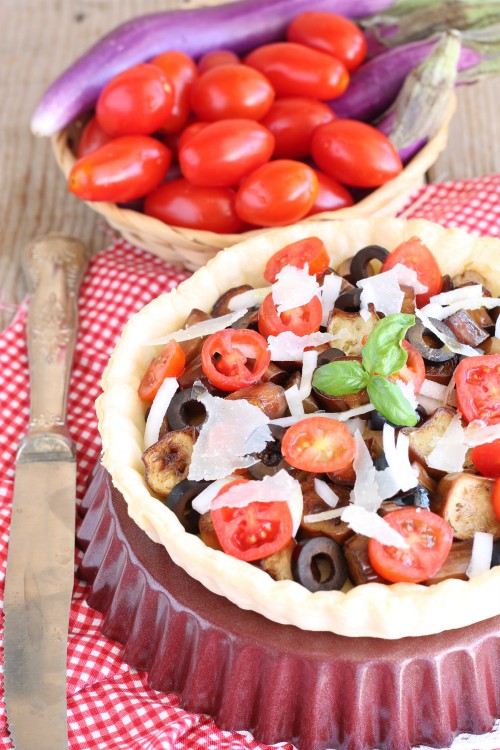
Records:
x=370, y=524
x=288, y=347
x=482, y=550
x=246, y=300
x=294, y=287
x=329, y=294
x=204, y=328
x=325, y=492
x=158, y=410
x=449, y=452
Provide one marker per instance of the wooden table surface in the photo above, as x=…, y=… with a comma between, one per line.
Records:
x=39, y=38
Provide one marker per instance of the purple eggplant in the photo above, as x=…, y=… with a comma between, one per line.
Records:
x=239, y=26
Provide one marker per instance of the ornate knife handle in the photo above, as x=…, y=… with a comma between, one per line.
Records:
x=54, y=268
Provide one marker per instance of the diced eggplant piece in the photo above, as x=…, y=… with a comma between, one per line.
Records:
x=334, y=528
x=221, y=306
x=192, y=348
x=465, y=501
x=279, y=565
x=268, y=397
x=207, y=531
x=358, y=562
x=194, y=372
x=249, y=320
x=408, y=304
x=423, y=439
x=329, y=355
x=465, y=329
x=167, y=461
x=491, y=345
x=310, y=403
x=482, y=317
x=275, y=374
x=349, y=329
x=441, y=372
x=455, y=564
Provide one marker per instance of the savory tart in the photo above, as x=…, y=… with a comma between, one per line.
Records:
x=262, y=275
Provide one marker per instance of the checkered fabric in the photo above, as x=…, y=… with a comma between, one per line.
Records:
x=110, y=706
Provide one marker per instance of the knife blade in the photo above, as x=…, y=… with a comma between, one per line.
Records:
x=40, y=560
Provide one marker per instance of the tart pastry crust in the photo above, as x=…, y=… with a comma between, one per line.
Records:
x=374, y=610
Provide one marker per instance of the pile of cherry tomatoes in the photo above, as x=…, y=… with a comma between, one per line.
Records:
x=226, y=145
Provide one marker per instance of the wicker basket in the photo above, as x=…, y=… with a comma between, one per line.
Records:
x=193, y=247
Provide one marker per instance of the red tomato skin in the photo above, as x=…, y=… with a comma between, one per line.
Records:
x=299, y=320
x=230, y=92
x=478, y=388
x=92, y=138
x=414, y=370
x=224, y=152
x=182, y=72
x=296, y=70
x=168, y=364
x=310, y=250
x=218, y=57
x=329, y=33
x=305, y=438
x=183, y=204
x=278, y=193
x=122, y=170
x=292, y=121
x=414, y=254
x=135, y=102
x=486, y=459
x=332, y=196
x=355, y=154
x=190, y=130
x=234, y=346
x=496, y=498
x=420, y=562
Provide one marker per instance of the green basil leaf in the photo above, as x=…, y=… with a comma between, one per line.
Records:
x=383, y=353
x=340, y=378
x=389, y=400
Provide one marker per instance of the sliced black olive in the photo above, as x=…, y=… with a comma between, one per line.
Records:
x=377, y=421
x=319, y=564
x=249, y=320
x=418, y=496
x=329, y=355
x=180, y=499
x=185, y=411
x=361, y=261
x=495, y=557
x=349, y=301
x=439, y=353
x=270, y=459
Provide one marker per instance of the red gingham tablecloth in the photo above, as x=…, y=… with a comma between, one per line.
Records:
x=110, y=706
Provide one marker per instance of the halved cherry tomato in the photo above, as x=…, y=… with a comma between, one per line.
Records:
x=355, y=154
x=310, y=250
x=92, y=138
x=224, y=152
x=217, y=57
x=429, y=540
x=330, y=33
x=135, y=102
x=234, y=359
x=231, y=91
x=331, y=195
x=293, y=120
x=486, y=459
x=295, y=70
x=478, y=388
x=278, y=193
x=414, y=254
x=182, y=72
x=414, y=370
x=168, y=364
x=300, y=320
x=254, y=531
x=318, y=444
x=496, y=498
x=124, y=169
x=183, y=204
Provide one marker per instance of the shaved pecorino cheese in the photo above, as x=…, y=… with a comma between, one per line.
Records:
x=441, y=312
x=203, y=328
x=482, y=551
x=434, y=390
x=474, y=291
x=294, y=287
x=340, y=416
x=449, y=452
x=329, y=293
x=158, y=409
x=383, y=292
x=324, y=515
x=399, y=474
x=247, y=300
x=288, y=347
x=449, y=341
x=309, y=364
x=365, y=491
x=201, y=503
x=370, y=524
x=478, y=432
x=325, y=492
x=294, y=401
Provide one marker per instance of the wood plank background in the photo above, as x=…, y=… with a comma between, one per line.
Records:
x=39, y=38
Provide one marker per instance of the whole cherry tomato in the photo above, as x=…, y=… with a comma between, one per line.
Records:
x=234, y=359
x=183, y=204
x=295, y=70
x=224, y=152
x=355, y=153
x=414, y=254
x=218, y=57
x=92, y=138
x=181, y=71
x=189, y=130
x=331, y=195
x=327, y=32
x=414, y=369
x=253, y=531
x=231, y=91
x=124, y=169
x=478, y=388
x=486, y=459
x=318, y=444
x=300, y=320
x=168, y=364
x=429, y=540
x=310, y=250
x=278, y=193
x=292, y=121
x=135, y=102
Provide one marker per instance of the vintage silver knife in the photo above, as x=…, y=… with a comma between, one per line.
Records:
x=40, y=561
